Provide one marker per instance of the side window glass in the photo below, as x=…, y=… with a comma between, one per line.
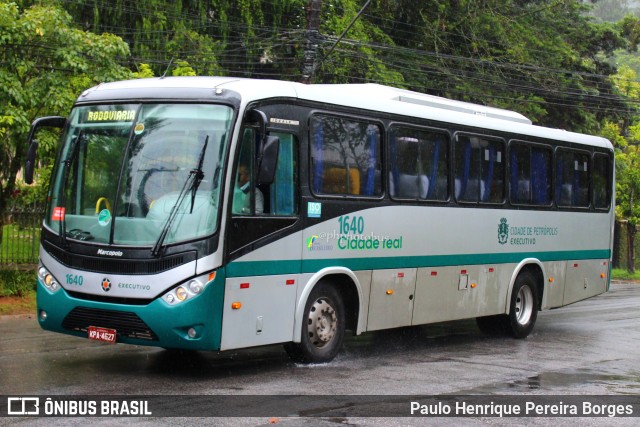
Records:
x=282, y=194
x=541, y=161
x=479, y=169
x=345, y=156
x=572, y=179
x=601, y=181
x=276, y=199
x=247, y=199
x=530, y=174
x=419, y=166
x=520, y=184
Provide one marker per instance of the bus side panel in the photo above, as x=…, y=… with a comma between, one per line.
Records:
x=258, y=310
x=554, y=284
x=460, y=292
x=391, y=300
x=585, y=278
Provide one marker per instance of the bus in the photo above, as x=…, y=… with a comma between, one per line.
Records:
x=219, y=213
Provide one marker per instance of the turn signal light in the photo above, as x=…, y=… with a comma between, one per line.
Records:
x=236, y=305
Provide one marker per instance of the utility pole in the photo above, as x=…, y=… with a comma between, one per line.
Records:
x=313, y=39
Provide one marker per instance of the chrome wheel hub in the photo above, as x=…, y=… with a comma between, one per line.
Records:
x=524, y=305
x=322, y=323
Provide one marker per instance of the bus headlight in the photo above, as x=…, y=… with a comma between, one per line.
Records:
x=47, y=279
x=195, y=286
x=181, y=293
x=189, y=289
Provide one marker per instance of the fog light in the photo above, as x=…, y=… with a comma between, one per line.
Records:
x=181, y=293
x=191, y=332
x=43, y=315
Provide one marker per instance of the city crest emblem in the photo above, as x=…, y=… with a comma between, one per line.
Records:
x=106, y=284
x=503, y=231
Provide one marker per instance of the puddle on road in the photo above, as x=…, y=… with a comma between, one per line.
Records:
x=591, y=382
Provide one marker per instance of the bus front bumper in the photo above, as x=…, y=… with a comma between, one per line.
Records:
x=194, y=324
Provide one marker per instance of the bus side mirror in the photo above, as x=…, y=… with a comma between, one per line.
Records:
x=30, y=163
x=268, y=160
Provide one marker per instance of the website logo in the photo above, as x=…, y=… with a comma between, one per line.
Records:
x=23, y=406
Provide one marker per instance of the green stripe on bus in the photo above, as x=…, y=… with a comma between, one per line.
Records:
x=264, y=268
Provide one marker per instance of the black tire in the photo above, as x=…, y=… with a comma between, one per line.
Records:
x=322, y=327
x=492, y=325
x=523, y=310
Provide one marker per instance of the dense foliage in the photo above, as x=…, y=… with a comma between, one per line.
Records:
x=44, y=63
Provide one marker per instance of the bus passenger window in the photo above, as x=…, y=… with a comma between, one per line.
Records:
x=479, y=169
x=572, y=179
x=530, y=174
x=541, y=175
x=345, y=156
x=601, y=181
x=418, y=164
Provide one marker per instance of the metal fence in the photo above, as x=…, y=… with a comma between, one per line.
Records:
x=21, y=236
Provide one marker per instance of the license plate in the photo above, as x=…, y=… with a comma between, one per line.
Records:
x=102, y=334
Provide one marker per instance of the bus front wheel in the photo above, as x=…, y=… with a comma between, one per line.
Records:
x=323, y=327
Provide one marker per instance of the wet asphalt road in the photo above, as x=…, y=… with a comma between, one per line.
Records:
x=591, y=347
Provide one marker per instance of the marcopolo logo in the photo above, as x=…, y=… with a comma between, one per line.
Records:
x=503, y=231
x=109, y=253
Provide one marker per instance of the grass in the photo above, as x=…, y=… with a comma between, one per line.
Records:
x=622, y=274
x=17, y=291
x=19, y=244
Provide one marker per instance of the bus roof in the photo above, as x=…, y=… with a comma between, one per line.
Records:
x=366, y=96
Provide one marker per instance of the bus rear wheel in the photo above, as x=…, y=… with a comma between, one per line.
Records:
x=523, y=310
x=322, y=327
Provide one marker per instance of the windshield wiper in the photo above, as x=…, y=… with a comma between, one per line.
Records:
x=198, y=174
x=191, y=184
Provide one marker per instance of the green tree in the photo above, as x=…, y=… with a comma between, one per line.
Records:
x=626, y=139
x=544, y=58
x=355, y=59
x=628, y=190
x=44, y=64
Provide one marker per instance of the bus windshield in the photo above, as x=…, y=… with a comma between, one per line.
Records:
x=125, y=170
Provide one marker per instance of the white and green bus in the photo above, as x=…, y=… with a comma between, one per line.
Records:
x=213, y=213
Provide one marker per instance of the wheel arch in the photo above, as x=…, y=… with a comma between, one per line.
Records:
x=348, y=286
x=535, y=267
